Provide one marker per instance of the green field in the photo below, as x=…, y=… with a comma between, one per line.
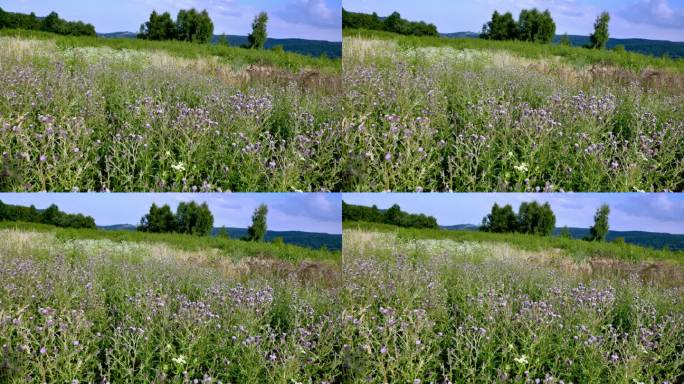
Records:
x=95, y=114
x=434, y=306
x=217, y=246
x=438, y=114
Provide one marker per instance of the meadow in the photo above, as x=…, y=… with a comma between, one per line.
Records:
x=438, y=114
x=438, y=310
x=398, y=305
x=95, y=114
x=74, y=308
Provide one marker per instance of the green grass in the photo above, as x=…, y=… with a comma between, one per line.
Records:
x=579, y=249
x=234, y=55
x=575, y=55
x=232, y=248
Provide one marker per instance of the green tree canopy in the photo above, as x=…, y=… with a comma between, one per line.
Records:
x=257, y=231
x=532, y=25
x=500, y=27
x=257, y=39
x=51, y=216
x=599, y=230
x=393, y=23
x=501, y=219
x=194, y=26
x=158, y=220
x=158, y=27
x=50, y=23
x=194, y=219
x=536, y=219
x=599, y=38
x=394, y=216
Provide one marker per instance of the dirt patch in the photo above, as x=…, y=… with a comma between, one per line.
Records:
x=305, y=79
x=306, y=272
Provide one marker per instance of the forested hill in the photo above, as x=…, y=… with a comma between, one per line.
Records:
x=654, y=240
x=657, y=48
x=332, y=49
x=303, y=239
x=645, y=239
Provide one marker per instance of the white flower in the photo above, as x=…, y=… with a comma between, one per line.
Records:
x=180, y=167
x=521, y=168
x=179, y=360
x=521, y=360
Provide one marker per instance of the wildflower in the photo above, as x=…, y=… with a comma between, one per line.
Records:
x=77, y=150
x=521, y=360
x=388, y=156
x=521, y=168
x=179, y=360
x=43, y=350
x=42, y=158
x=383, y=350
x=179, y=167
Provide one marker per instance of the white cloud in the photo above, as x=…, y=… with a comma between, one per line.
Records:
x=654, y=12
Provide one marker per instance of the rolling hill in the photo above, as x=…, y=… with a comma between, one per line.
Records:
x=654, y=240
x=673, y=49
x=303, y=239
x=316, y=48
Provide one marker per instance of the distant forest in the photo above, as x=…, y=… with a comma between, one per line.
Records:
x=52, y=216
x=656, y=48
x=50, y=23
x=394, y=216
x=392, y=23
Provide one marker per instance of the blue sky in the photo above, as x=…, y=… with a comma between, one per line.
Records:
x=651, y=19
x=308, y=19
x=658, y=212
x=310, y=212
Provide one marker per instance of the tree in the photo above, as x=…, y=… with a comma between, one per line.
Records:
x=194, y=26
x=51, y=215
x=501, y=27
x=565, y=40
x=500, y=220
x=536, y=219
x=223, y=40
x=599, y=230
x=394, y=23
x=194, y=219
x=158, y=220
x=158, y=27
x=536, y=26
x=257, y=39
x=257, y=231
x=599, y=38
x=52, y=23
x=223, y=233
x=565, y=232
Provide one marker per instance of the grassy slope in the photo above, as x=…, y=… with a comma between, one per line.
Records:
x=228, y=247
x=235, y=55
x=574, y=55
x=575, y=248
